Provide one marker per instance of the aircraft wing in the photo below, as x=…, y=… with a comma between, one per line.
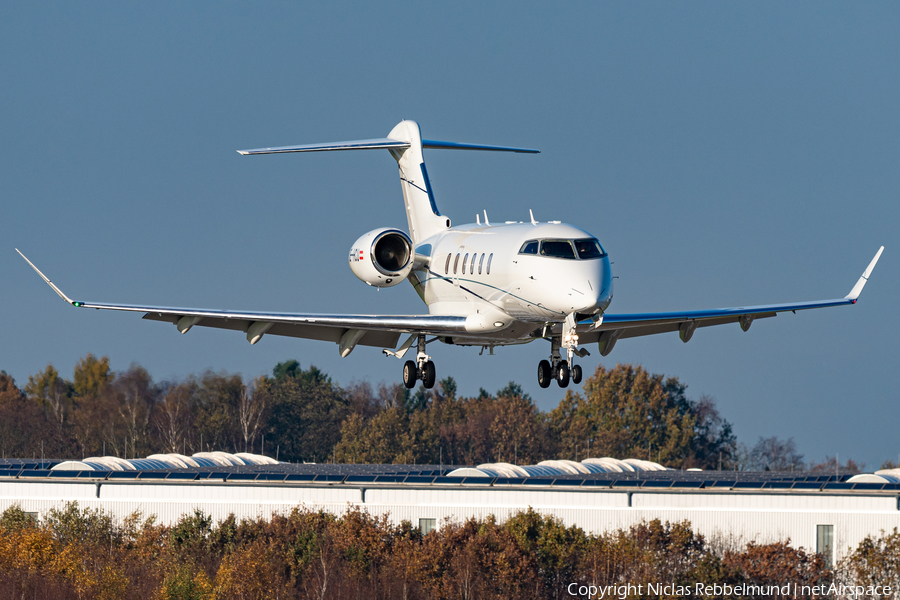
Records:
x=614, y=327
x=346, y=330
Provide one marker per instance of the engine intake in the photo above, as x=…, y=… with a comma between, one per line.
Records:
x=382, y=257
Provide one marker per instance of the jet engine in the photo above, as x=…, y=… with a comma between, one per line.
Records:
x=383, y=257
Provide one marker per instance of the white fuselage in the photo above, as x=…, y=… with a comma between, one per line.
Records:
x=520, y=293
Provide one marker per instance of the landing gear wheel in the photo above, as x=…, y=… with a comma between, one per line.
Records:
x=576, y=374
x=428, y=375
x=409, y=374
x=562, y=374
x=545, y=374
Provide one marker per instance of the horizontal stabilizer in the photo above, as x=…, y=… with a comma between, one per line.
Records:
x=460, y=146
x=383, y=144
x=378, y=144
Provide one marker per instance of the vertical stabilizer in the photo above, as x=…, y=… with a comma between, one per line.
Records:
x=421, y=209
x=405, y=144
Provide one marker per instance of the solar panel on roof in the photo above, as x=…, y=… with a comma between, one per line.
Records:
x=598, y=482
x=509, y=481
x=649, y=483
x=389, y=478
x=417, y=479
x=778, y=485
x=151, y=475
x=123, y=475
x=806, y=485
x=71, y=474
x=242, y=477
x=568, y=482
x=626, y=483
x=360, y=478
x=93, y=474
x=538, y=481
x=836, y=485
x=687, y=484
x=723, y=484
x=445, y=479
x=181, y=475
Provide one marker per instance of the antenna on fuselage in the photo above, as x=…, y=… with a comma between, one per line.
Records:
x=486, y=222
x=477, y=219
x=531, y=214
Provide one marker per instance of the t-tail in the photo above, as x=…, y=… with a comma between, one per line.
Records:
x=406, y=145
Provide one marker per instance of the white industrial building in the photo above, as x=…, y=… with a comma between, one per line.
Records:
x=829, y=517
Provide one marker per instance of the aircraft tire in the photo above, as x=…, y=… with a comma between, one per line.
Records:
x=428, y=375
x=409, y=374
x=544, y=374
x=562, y=375
x=576, y=374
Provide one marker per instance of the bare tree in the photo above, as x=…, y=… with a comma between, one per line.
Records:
x=251, y=407
x=173, y=415
x=134, y=392
x=775, y=454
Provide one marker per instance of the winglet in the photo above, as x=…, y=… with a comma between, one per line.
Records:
x=857, y=289
x=50, y=283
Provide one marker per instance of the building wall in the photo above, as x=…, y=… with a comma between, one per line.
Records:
x=730, y=517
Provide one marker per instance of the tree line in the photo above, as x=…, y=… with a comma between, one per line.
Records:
x=84, y=553
x=300, y=414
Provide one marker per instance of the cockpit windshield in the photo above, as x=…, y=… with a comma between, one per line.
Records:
x=585, y=249
x=557, y=249
x=589, y=248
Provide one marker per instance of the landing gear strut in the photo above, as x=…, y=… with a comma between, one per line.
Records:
x=422, y=369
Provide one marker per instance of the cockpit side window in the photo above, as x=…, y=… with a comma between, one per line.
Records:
x=589, y=248
x=529, y=247
x=557, y=249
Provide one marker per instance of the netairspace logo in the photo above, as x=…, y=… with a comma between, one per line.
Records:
x=624, y=590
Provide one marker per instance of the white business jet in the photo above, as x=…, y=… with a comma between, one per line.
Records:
x=484, y=284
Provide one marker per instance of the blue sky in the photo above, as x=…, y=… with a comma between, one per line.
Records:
x=725, y=154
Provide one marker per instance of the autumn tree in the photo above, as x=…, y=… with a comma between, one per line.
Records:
x=21, y=421
x=876, y=561
x=91, y=374
x=627, y=412
x=52, y=392
x=306, y=410
x=777, y=564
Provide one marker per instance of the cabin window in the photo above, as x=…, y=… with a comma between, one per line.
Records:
x=465, y=258
x=472, y=268
x=447, y=265
x=490, y=258
x=481, y=263
x=455, y=264
x=589, y=248
x=529, y=247
x=557, y=249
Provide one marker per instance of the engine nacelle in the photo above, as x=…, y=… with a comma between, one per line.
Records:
x=383, y=257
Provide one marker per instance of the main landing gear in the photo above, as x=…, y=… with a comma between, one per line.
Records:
x=557, y=368
x=420, y=369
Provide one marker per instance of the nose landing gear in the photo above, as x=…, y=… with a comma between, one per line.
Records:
x=558, y=368
x=422, y=369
